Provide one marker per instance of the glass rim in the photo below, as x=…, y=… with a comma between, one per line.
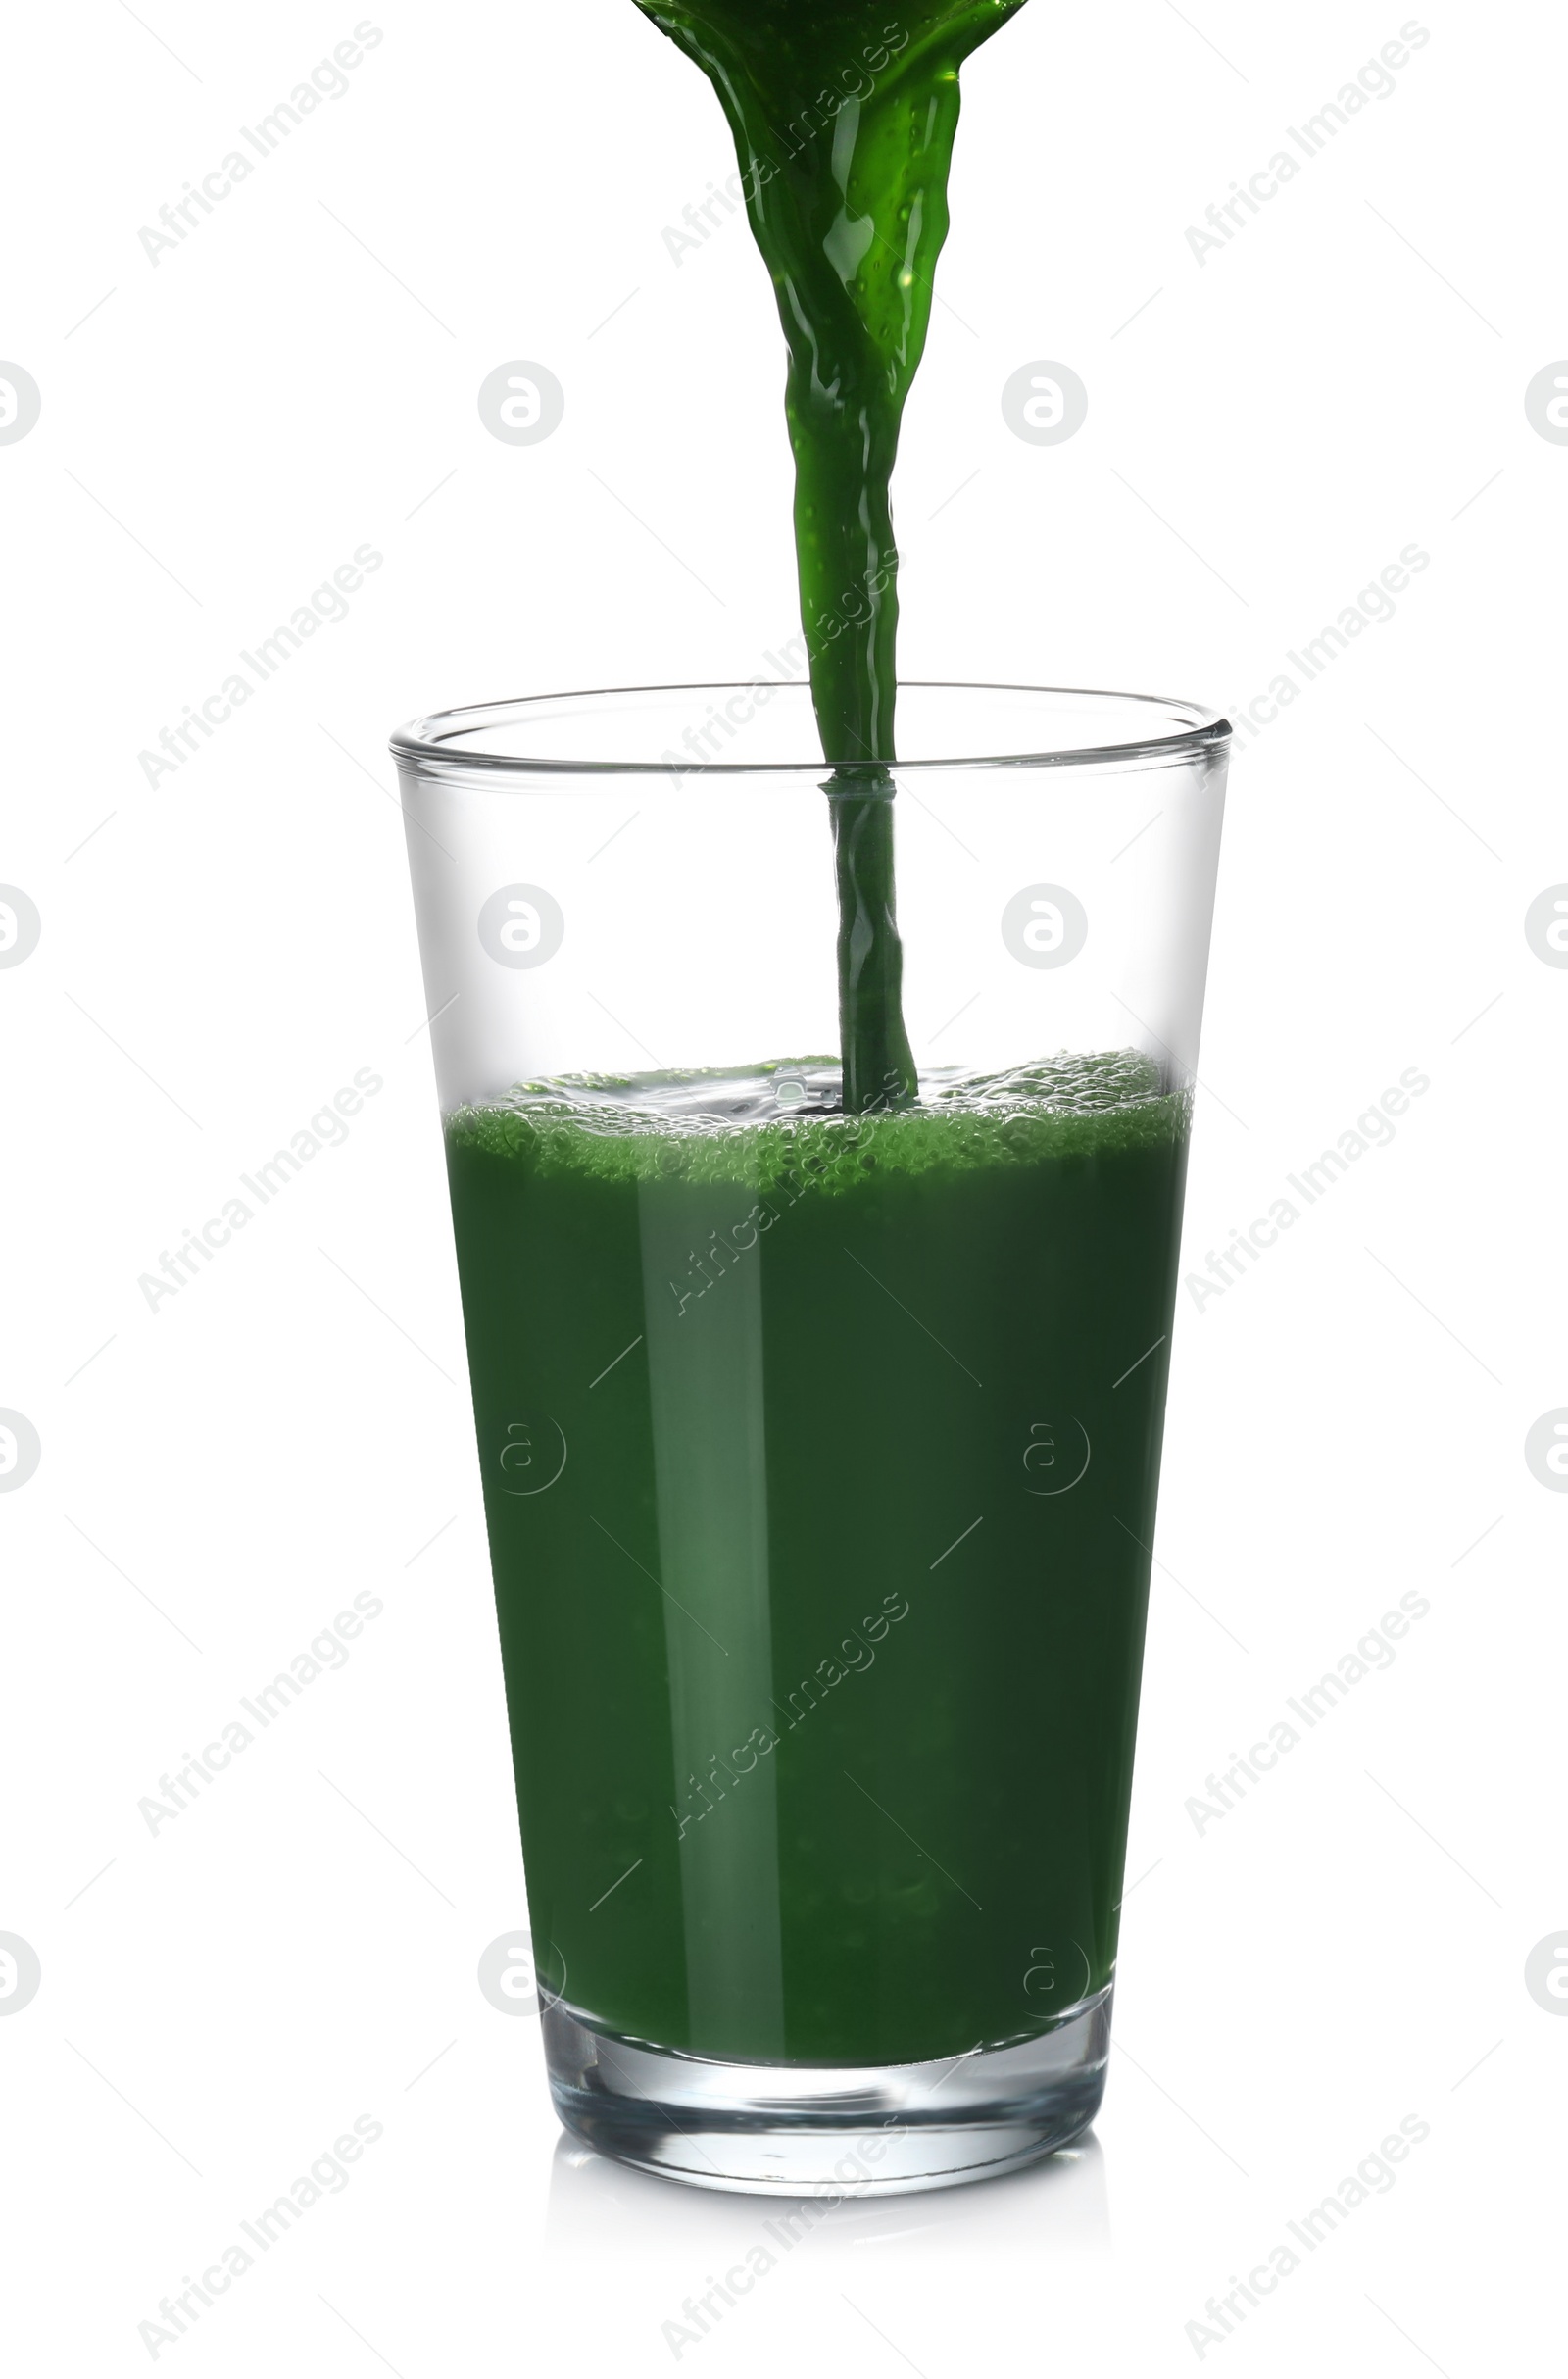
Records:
x=428, y=743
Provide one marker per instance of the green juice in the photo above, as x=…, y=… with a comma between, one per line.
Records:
x=820, y=1459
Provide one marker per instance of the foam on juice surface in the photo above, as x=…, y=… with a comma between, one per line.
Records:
x=781, y=1123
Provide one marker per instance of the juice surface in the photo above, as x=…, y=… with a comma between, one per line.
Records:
x=820, y=1458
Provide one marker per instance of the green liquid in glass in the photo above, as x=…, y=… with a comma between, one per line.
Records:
x=846, y=1773
x=844, y=124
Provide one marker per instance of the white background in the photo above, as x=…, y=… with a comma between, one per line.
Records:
x=221, y=951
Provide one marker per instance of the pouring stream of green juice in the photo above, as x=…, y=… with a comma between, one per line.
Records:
x=844, y=124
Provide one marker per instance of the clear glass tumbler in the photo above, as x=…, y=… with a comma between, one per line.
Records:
x=819, y=1450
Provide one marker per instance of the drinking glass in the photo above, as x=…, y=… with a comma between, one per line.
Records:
x=819, y=1450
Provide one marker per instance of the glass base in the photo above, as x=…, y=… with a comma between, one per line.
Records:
x=813, y=2131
